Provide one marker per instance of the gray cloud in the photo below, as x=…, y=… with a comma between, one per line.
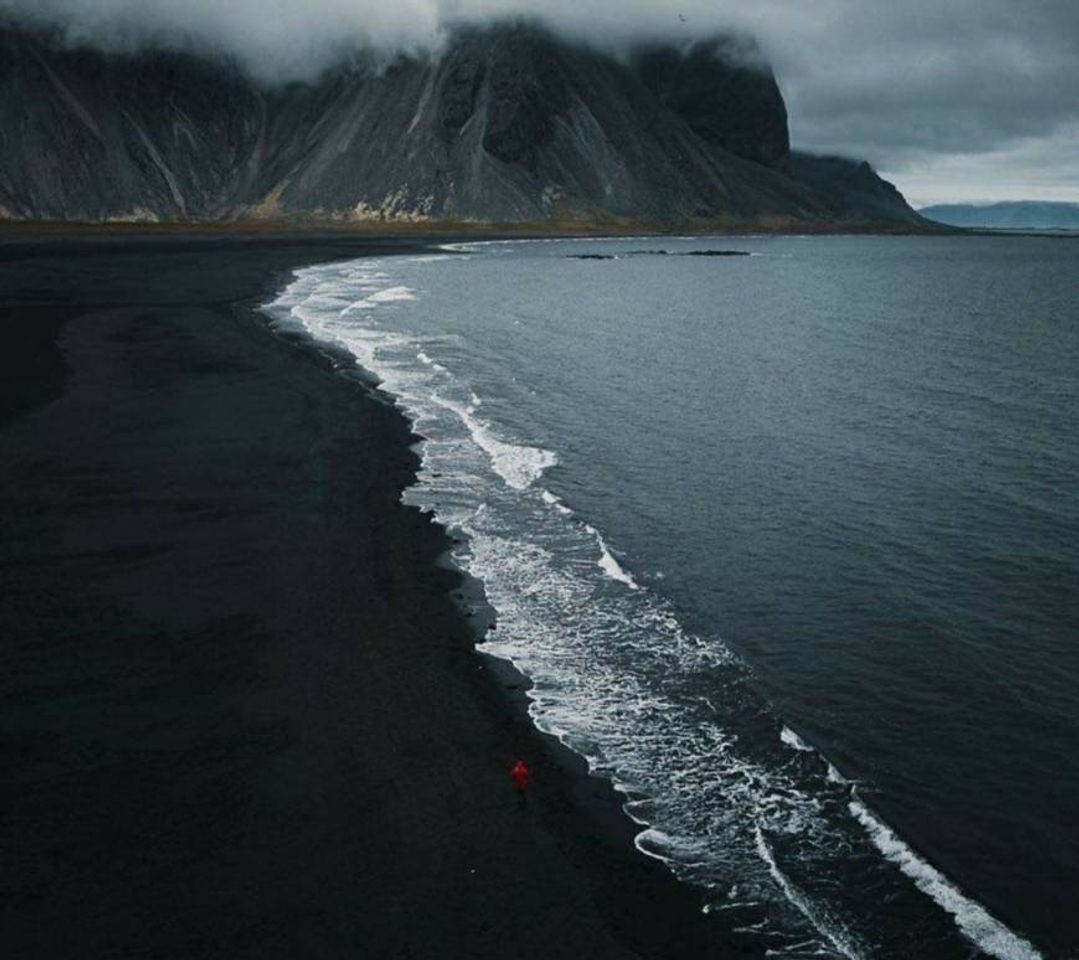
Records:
x=1035, y=168
x=922, y=88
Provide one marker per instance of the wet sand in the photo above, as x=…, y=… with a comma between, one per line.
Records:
x=242, y=715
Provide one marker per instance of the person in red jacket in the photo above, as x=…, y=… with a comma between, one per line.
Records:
x=520, y=775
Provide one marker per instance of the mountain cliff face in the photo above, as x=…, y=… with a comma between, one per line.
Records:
x=505, y=124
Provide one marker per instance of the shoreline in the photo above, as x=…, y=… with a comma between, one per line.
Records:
x=515, y=685
x=591, y=890
x=587, y=805
x=428, y=230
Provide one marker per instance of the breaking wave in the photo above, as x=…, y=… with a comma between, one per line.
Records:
x=730, y=799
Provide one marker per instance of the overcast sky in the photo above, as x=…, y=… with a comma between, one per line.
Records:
x=952, y=99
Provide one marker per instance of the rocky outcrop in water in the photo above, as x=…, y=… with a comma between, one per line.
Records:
x=505, y=124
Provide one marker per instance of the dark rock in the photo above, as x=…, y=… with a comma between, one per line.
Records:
x=725, y=91
x=527, y=93
x=465, y=69
x=717, y=253
x=851, y=189
x=506, y=124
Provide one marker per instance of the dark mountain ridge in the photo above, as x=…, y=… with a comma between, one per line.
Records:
x=1008, y=215
x=505, y=124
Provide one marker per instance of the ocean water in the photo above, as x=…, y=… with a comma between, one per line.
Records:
x=788, y=544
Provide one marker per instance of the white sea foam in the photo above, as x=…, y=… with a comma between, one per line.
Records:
x=477, y=246
x=615, y=571
x=972, y=918
x=468, y=247
x=795, y=742
x=518, y=464
x=687, y=776
x=573, y=647
x=608, y=564
x=791, y=739
x=425, y=359
x=391, y=294
x=550, y=499
x=840, y=939
x=834, y=776
x=364, y=304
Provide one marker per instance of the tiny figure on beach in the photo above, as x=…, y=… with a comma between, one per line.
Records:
x=520, y=775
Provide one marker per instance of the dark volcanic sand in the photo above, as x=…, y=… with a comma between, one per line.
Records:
x=241, y=715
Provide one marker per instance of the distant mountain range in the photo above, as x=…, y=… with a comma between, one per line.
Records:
x=506, y=123
x=1012, y=214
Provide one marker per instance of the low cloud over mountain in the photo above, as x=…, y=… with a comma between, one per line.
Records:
x=983, y=86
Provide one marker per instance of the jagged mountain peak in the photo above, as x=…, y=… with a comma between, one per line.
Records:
x=505, y=122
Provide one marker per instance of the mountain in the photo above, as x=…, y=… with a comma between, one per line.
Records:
x=506, y=123
x=1012, y=214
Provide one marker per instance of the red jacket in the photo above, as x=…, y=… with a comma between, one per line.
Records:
x=520, y=775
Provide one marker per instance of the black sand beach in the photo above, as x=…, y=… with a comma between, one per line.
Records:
x=241, y=714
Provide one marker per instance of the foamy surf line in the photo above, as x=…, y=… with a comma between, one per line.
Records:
x=335, y=303
x=977, y=924
x=473, y=246
x=839, y=939
x=608, y=564
x=518, y=464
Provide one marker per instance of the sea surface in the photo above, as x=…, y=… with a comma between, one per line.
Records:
x=788, y=544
